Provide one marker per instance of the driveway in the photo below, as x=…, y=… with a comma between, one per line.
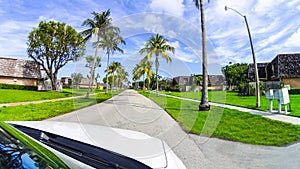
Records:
x=130, y=110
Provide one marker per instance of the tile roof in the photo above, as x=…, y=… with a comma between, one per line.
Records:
x=10, y=67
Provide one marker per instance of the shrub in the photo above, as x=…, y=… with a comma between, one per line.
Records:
x=294, y=91
x=18, y=87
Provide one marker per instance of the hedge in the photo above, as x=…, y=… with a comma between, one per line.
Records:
x=18, y=87
x=294, y=91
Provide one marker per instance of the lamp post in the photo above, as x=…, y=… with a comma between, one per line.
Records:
x=257, y=92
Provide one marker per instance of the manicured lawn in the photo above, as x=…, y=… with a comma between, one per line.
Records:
x=232, y=98
x=46, y=110
x=12, y=96
x=228, y=124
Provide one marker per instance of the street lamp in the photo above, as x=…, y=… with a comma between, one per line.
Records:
x=257, y=93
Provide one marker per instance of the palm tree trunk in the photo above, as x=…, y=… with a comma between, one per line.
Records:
x=107, y=73
x=204, y=105
x=156, y=73
x=91, y=80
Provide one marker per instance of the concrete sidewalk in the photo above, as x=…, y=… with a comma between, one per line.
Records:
x=274, y=116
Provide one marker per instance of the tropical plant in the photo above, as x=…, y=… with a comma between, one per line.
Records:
x=204, y=104
x=110, y=42
x=97, y=27
x=157, y=45
x=112, y=69
x=52, y=45
x=121, y=76
x=89, y=64
x=76, y=79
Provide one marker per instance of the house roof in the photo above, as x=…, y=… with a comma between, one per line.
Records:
x=10, y=67
x=288, y=65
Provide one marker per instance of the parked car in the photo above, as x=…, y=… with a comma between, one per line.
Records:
x=48, y=144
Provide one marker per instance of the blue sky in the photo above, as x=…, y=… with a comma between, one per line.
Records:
x=274, y=24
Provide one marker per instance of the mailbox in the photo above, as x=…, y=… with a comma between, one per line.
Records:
x=270, y=94
x=282, y=95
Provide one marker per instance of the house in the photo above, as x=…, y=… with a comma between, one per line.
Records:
x=187, y=83
x=20, y=72
x=66, y=81
x=85, y=83
x=262, y=71
x=284, y=67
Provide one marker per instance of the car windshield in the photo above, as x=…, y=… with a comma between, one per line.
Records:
x=15, y=154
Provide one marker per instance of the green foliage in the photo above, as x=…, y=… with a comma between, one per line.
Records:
x=228, y=124
x=236, y=74
x=157, y=45
x=17, y=87
x=52, y=45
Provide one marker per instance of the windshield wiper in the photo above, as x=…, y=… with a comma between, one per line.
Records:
x=89, y=154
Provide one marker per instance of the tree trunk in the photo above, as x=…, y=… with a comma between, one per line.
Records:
x=107, y=73
x=53, y=79
x=204, y=105
x=156, y=74
x=91, y=80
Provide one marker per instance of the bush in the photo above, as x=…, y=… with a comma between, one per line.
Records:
x=18, y=87
x=294, y=91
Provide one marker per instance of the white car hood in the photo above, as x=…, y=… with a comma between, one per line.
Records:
x=148, y=150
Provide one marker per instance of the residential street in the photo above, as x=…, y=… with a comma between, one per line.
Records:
x=130, y=110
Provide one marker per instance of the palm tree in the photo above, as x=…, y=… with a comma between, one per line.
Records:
x=121, y=76
x=110, y=42
x=146, y=67
x=137, y=73
x=204, y=104
x=157, y=45
x=97, y=27
x=112, y=69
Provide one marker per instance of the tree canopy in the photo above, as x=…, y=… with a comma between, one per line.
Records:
x=236, y=74
x=157, y=45
x=52, y=45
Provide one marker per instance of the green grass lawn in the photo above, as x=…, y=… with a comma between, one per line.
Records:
x=12, y=96
x=47, y=110
x=228, y=124
x=232, y=98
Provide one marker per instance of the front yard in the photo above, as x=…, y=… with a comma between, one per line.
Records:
x=228, y=124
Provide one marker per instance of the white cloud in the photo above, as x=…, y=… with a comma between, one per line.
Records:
x=173, y=7
x=294, y=40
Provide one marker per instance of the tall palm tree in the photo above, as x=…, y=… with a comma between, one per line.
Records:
x=97, y=27
x=204, y=104
x=157, y=45
x=110, y=42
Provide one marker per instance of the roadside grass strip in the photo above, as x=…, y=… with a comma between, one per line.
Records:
x=46, y=110
x=228, y=124
x=232, y=98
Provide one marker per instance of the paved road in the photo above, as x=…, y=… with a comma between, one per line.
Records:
x=129, y=110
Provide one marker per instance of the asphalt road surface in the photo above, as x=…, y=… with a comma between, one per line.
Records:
x=130, y=110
